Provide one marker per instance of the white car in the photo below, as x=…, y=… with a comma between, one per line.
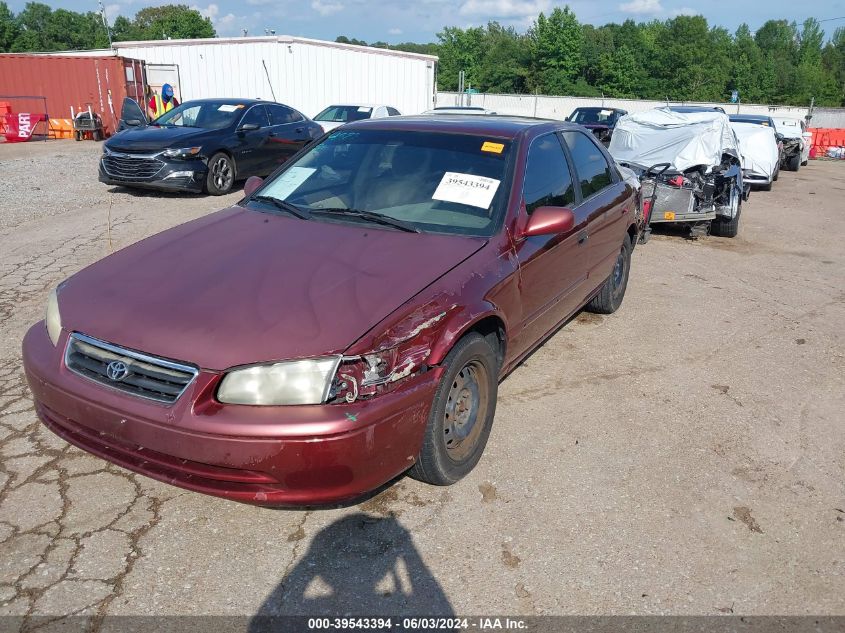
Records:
x=336, y=115
x=796, y=141
x=758, y=145
x=459, y=110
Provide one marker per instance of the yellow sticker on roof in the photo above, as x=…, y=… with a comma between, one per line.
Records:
x=495, y=148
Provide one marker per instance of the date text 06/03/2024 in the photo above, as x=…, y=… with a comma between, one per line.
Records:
x=417, y=623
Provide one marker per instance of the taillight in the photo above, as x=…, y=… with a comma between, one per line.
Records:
x=677, y=181
x=646, y=210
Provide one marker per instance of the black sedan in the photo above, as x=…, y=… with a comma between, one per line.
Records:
x=203, y=145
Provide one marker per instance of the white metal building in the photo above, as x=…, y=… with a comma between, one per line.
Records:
x=303, y=73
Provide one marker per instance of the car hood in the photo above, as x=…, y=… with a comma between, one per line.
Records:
x=153, y=138
x=239, y=287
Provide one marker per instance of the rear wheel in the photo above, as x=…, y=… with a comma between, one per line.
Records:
x=462, y=413
x=609, y=298
x=221, y=175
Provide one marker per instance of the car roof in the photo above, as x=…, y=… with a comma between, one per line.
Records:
x=232, y=101
x=750, y=117
x=508, y=127
x=695, y=108
x=599, y=108
x=356, y=105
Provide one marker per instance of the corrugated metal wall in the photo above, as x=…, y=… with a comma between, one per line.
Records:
x=66, y=82
x=306, y=74
x=561, y=107
x=828, y=118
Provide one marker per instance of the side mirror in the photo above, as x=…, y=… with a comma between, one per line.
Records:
x=549, y=221
x=133, y=122
x=252, y=183
x=248, y=127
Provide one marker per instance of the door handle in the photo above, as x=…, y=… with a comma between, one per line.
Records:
x=300, y=129
x=583, y=237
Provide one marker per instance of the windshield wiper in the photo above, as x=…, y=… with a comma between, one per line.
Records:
x=284, y=206
x=371, y=216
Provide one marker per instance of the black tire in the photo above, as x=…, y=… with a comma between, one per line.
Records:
x=221, y=175
x=777, y=174
x=767, y=186
x=723, y=227
x=612, y=292
x=461, y=414
x=793, y=162
x=805, y=163
x=77, y=136
x=98, y=135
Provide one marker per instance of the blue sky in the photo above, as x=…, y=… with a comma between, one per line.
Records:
x=398, y=21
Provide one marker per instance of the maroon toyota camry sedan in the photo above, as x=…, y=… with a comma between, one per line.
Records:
x=348, y=320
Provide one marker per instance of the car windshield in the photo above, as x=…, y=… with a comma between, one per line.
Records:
x=211, y=116
x=595, y=116
x=752, y=121
x=344, y=113
x=433, y=182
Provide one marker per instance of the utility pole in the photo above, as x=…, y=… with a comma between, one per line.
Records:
x=105, y=21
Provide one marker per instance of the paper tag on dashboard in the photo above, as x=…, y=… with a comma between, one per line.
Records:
x=476, y=191
x=228, y=107
x=365, y=109
x=288, y=182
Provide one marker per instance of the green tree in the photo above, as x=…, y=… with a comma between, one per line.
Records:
x=9, y=29
x=621, y=75
x=558, y=50
x=746, y=66
x=172, y=21
x=504, y=65
x=778, y=40
x=32, y=23
x=459, y=50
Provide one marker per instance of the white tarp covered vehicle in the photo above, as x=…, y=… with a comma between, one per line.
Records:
x=760, y=157
x=689, y=164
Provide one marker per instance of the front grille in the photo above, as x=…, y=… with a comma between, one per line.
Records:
x=145, y=376
x=129, y=167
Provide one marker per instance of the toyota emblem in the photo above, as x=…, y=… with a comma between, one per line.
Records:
x=117, y=370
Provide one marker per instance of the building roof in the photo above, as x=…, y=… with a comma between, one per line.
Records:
x=281, y=39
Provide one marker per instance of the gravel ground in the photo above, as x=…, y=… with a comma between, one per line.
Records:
x=683, y=456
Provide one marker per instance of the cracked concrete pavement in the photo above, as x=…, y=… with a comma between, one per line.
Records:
x=685, y=455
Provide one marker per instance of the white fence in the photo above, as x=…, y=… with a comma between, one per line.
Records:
x=561, y=107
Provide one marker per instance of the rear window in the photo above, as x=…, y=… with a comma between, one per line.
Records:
x=344, y=114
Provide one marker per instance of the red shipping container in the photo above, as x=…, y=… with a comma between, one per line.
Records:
x=71, y=82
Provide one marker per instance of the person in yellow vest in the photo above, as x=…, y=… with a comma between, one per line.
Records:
x=159, y=104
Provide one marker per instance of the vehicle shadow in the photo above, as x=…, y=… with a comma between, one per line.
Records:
x=360, y=565
x=154, y=193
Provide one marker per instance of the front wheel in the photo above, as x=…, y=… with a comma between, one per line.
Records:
x=728, y=227
x=221, y=175
x=461, y=414
x=793, y=163
x=609, y=298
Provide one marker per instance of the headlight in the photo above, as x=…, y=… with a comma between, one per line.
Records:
x=291, y=382
x=185, y=152
x=53, y=319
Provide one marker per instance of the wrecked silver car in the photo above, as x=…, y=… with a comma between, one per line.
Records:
x=690, y=167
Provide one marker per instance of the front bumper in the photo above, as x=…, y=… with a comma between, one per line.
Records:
x=278, y=456
x=177, y=175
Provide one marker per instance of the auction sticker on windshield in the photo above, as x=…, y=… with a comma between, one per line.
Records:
x=476, y=191
x=288, y=182
x=229, y=108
